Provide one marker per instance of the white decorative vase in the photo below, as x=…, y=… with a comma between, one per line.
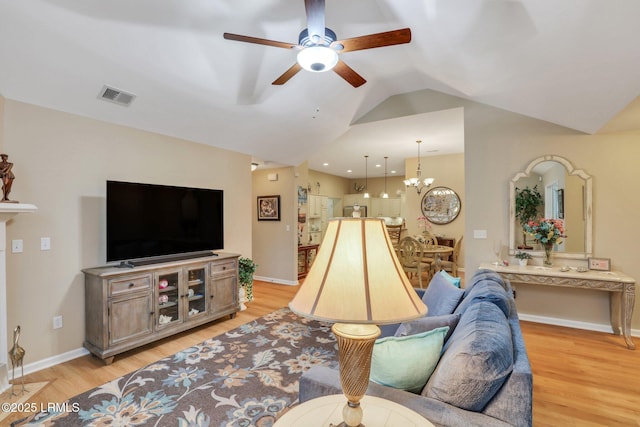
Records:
x=522, y=262
x=242, y=298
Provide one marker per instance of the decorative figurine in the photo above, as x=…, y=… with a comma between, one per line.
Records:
x=16, y=354
x=7, y=178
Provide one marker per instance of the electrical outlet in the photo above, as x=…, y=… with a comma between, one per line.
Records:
x=16, y=246
x=57, y=322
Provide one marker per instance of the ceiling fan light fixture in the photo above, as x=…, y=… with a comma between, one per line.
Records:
x=317, y=59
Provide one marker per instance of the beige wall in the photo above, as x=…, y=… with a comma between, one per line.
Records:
x=330, y=185
x=447, y=171
x=2, y=101
x=395, y=186
x=497, y=145
x=492, y=158
x=61, y=164
x=275, y=242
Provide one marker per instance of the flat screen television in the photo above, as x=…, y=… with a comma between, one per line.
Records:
x=148, y=220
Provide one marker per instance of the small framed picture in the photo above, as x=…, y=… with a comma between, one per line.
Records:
x=600, y=264
x=268, y=208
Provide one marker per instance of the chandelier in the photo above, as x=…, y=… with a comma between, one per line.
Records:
x=418, y=183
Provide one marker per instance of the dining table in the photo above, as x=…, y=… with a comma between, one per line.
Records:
x=436, y=253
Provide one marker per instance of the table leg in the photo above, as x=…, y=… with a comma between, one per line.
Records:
x=628, y=299
x=615, y=300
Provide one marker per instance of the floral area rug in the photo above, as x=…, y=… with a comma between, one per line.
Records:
x=245, y=377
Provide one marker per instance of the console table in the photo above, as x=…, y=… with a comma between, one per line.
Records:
x=621, y=288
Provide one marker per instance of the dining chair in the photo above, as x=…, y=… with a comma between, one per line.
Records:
x=451, y=265
x=410, y=255
x=429, y=239
x=395, y=233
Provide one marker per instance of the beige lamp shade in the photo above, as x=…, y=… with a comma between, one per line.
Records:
x=357, y=278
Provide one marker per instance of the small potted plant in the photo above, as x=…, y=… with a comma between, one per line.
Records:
x=246, y=268
x=523, y=257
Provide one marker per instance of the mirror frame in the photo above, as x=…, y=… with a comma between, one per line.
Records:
x=587, y=199
x=435, y=219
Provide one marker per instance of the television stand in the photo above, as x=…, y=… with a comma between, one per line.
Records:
x=128, y=308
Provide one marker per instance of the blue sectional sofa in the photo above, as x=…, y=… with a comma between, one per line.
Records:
x=482, y=376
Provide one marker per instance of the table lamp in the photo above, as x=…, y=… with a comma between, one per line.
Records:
x=357, y=282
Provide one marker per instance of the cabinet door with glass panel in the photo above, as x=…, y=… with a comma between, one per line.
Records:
x=168, y=298
x=195, y=295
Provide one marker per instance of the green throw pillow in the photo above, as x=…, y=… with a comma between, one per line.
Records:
x=455, y=281
x=407, y=362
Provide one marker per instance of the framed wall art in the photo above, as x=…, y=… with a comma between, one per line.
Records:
x=599, y=264
x=268, y=208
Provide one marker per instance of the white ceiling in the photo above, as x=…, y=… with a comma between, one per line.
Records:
x=571, y=62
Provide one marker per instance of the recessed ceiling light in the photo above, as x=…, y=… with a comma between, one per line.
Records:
x=325, y=164
x=349, y=171
x=378, y=166
x=393, y=171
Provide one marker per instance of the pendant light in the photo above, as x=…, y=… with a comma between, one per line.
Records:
x=418, y=183
x=366, y=173
x=385, y=195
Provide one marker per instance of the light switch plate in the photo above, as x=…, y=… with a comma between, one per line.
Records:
x=45, y=243
x=16, y=246
x=479, y=234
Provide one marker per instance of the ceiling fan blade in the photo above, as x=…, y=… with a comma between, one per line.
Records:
x=348, y=73
x=315, y=19
x=388, y=38
x=287, y=74
x=256, y=40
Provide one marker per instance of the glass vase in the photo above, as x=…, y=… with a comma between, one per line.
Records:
x=548, y=251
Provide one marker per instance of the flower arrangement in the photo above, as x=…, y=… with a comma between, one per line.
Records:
x=523, y=255
x=424, y=223
x=547, y=231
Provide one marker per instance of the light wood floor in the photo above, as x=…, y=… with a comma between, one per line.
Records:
x=581, y=378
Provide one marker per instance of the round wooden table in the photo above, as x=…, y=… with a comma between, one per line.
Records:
x=326, y=411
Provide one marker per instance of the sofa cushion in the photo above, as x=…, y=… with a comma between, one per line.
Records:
x=487, y=289
x=455, y=281
x=441, y=297
x=428, y=323
x=407, y=362
x=478, y=360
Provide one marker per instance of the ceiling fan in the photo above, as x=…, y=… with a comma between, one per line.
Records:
x=318, y=47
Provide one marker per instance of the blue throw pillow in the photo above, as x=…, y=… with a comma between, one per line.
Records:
x=406, y=363
x=441, y=297
x=428, y=323
x=455, y=281
x=478, y=361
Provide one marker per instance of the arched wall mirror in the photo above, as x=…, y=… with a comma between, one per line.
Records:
x=566, y=194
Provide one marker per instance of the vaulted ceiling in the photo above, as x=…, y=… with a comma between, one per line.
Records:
x=574, y=63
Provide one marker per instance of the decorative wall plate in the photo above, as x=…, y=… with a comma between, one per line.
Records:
x=440, y=205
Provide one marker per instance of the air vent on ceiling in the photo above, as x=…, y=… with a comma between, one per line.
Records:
x=116, y=95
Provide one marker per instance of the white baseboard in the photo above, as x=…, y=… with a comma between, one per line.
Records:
x=30, y=368
x=598, y=327
x=278, y=281
x=54, y=360
x=4, y=378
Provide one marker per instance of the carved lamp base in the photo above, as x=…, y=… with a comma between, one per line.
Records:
x=355, y=345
